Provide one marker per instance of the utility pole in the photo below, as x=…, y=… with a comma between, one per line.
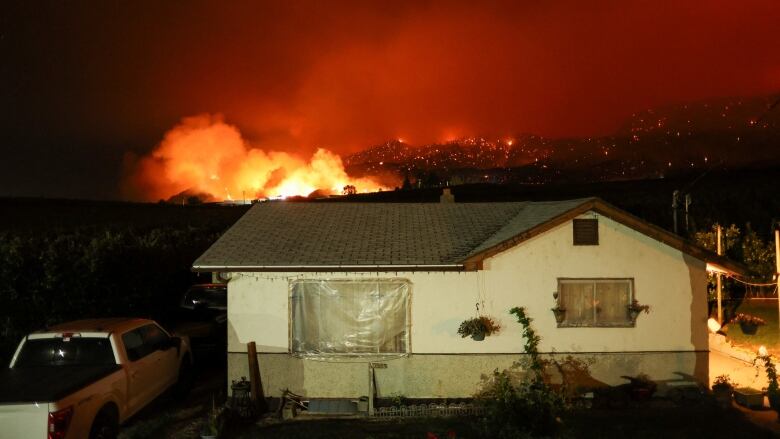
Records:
x=688, y=201
x=675, y=206
x=719, y=278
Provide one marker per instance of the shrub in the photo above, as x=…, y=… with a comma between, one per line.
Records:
x=722, y=382
x=524, y=404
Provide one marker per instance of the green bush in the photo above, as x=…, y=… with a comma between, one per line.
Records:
x=49, y=278
x=522, y=404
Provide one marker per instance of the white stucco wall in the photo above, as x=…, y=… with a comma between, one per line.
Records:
x=525, y=275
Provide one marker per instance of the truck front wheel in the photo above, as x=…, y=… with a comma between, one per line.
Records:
x=105, y=425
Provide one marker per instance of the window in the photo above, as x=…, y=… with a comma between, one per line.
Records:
x=75, y=351
x=134, y=344
x=595, y=302
x=154, y=338
x=143, y=341
x=349, y=317
x=586, y=232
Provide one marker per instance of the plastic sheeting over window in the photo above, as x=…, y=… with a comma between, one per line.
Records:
x=349, y=318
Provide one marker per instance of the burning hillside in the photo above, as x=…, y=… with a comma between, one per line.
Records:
x=206, y=155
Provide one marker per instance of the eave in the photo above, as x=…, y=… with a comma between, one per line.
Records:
x=332, y=268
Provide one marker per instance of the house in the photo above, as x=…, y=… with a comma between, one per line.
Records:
x=327, y=290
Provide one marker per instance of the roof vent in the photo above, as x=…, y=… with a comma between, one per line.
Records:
x=586, y=232
x=446, y=196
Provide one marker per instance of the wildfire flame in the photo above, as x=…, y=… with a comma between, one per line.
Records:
x=203, y=155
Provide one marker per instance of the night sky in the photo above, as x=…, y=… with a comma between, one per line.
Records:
x=88, y=87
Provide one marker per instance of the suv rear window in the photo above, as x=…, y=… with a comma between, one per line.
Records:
x=57, y=352
x=210, y=297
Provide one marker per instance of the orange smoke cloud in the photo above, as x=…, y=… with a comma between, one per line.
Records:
x=204, y=155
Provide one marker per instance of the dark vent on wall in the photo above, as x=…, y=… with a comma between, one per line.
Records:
x=586, y=232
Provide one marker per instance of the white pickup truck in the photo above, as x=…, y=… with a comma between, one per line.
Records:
x=82, y=379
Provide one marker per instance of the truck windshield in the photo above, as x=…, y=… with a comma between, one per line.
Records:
x=58, y=352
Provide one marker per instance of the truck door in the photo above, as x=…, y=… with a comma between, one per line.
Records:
x=141, y=373
x=165, y=356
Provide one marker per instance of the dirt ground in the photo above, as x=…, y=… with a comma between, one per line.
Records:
x=182, y=418
x=669, y=422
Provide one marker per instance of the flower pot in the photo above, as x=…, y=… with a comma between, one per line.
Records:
x=641, y=393
x=633, y=313
x=748, y=397
x=722, y=396
x=748, y=328
x=560, y=314
x=479, y=336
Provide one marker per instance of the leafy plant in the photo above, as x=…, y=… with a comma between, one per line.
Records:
x=212, y=426
x=398, y=399
x=748, y=319
x=634, y=306
x=526, y=408
x=773, y=389
x=722, y=382
x=478, y=325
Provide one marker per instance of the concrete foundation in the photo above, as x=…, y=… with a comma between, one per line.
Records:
x=455, y=375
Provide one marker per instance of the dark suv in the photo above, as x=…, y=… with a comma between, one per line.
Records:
x=203, y=316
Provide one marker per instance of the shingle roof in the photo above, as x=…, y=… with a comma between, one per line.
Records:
x=282, y=234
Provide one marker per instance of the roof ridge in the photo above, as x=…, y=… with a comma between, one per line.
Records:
x=509, y=229
x=523, y=206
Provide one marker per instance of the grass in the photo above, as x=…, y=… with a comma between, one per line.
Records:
x=768, y=335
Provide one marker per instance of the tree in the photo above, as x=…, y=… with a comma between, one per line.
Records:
x=407, y=184
x=349, y=190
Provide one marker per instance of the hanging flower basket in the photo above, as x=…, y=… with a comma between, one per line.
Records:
x=478, y=327
x=634, y=309
x=560, y=314
x=748, y=323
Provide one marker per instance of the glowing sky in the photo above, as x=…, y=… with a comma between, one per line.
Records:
x=84, y=84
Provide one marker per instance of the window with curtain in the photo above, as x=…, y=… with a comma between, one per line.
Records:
x=595, y=302
x=349, y=317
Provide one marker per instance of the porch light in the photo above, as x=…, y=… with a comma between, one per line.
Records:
x=712, y=268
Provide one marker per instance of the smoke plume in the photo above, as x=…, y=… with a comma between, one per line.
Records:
x=204, y=155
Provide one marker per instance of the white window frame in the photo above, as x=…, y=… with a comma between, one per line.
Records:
x=629, y=323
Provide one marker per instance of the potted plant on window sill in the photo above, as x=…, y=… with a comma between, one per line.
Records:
x=560, y=313
x=748, y=323
x=634, y=309
x=478, y=328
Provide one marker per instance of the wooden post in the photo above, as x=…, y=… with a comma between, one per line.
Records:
x=255, y=384
x=718, y=277
x=777, y=263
